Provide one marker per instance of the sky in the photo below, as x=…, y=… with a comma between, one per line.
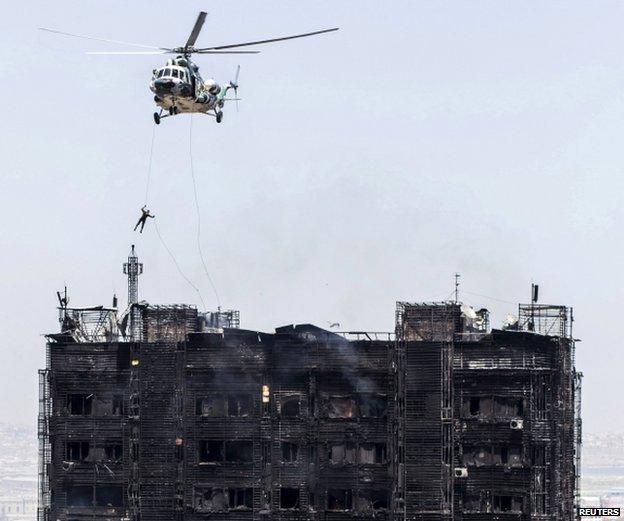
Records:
x=364, y=167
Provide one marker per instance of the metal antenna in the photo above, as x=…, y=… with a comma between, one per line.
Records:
x=457, y=276
x=534, y=296
x=133, y=268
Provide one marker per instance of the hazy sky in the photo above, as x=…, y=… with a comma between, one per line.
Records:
x=364, y=167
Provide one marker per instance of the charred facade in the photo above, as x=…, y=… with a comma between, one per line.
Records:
x=499, y=409
x=171, y=415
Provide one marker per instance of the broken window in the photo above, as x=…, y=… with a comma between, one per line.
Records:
x=313, y=454
x=507, y=455
x=290, y=406
x=508, y=407
x=113, y=452
x=339, y=499
x=371, y=500
x=241, y=498
x=210, y=406
x=498, y=406
x=77, y=450
x=538, y=457
x=514, y=458
x=79, y=404
x=373, y=405
x=239, y=451
x=486, y=406
x=240, y=405
x=290, y=451
x=118, y=408
x=341, y=454
x=482, y=455
x=80, y=496
x=341, y=407
x=472, y=504
x=209, y=500
x=210, y=451
x=477, y=456
x=507, y=504
x=289, y=498
x=109, y=496
x=371, y=453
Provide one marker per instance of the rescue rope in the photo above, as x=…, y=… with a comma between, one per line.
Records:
x=149, y=167
x=160, y=237
x=190, y=283
x=201, y=254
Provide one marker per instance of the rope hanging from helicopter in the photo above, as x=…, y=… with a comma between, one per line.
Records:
x=182, y=274
x=149, y=166
x=199, y=248
x=160, y=237
x=198, y=213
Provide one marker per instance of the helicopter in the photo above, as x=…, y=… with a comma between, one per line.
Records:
x=178, y=86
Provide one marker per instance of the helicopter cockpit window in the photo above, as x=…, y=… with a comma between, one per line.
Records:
x=160, y=73
x=174, y=73
x=167, y=72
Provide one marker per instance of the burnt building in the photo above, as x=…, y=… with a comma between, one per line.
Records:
x=163, y=413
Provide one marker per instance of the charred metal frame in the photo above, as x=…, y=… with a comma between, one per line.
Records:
x=442, y=420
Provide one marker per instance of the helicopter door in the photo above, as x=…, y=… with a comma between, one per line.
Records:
x=192, y=81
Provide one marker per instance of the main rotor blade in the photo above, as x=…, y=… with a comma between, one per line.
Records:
x=268, y=41
x=104, y=40
x=236, y=75
x=201, y=18
x=128, y=52
x=225, y=52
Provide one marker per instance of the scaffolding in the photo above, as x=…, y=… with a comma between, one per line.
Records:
x=88, y=324
x=578, y=439
x=45, y=451
x=167, y=322
x=545, y=319
x=425, y=336
x=229, y=318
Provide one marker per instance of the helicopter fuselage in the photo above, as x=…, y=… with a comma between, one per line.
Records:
x=179, y=87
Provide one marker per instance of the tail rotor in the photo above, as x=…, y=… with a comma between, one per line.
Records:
x=234, y=85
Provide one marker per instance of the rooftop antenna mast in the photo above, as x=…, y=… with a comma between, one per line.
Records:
x=133, y=268
x=63, y=303
x=534, y=297
x=457, y=277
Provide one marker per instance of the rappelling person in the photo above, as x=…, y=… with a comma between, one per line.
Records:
x=144, y=215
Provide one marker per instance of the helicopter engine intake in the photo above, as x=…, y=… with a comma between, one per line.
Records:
x=213, y=87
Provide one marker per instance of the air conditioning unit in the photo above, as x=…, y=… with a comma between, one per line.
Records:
x=516, y=424
x=461, y=472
